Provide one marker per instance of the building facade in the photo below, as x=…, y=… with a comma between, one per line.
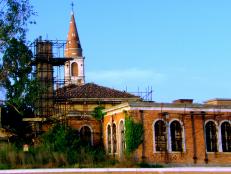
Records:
x=174, y=133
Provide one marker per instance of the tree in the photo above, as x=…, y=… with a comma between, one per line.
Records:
x=14, y=16
x=15, y=74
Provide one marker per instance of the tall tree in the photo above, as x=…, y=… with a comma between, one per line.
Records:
x=14, y=16
x=16, y=70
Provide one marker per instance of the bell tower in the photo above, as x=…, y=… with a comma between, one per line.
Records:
x=74, y=69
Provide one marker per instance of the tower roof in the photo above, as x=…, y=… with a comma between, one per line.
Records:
x=73, y=46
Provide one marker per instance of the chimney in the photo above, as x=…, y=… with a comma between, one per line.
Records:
x=183, y=101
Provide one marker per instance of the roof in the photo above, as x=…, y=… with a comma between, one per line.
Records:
x=163, y=107
x=91, y=90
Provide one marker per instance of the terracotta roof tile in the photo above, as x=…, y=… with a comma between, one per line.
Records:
x=91, y=90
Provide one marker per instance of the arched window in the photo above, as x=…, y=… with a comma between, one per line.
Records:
x=160, y=136
x=109, y=138
x=176, y=136
x=122, y=138
x=74, y=69
x=211, y=136
x=114, y=138
x=226, y=137
x=85, y=135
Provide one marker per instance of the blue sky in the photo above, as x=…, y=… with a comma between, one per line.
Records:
x=182, y=49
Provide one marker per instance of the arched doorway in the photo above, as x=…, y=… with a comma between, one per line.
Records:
x=86, y=135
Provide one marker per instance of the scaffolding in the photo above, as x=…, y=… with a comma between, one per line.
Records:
x=47, y=63
x=53, y=101
x=146, y=95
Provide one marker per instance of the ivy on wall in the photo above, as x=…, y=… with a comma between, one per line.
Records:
x=98, y=113
x=133, y=135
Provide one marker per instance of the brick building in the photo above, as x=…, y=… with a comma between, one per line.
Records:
x=180, y=132
x=81, y=100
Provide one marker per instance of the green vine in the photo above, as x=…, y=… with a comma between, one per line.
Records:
x=98, y=112
x=133, y=135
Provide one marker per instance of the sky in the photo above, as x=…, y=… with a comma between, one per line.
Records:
x=180, y=49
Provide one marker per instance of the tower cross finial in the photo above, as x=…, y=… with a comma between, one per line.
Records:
x=72, y=6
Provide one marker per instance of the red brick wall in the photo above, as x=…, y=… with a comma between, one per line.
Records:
x=186, y=157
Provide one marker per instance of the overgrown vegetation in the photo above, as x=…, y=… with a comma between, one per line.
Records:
x=98, y=112
x=133, y=135
x=59, y=147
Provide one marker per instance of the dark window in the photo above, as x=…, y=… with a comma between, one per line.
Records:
x=176, y=136
x=226, y=137
x=160, y=136
x=85, y=135
x=211, y=136
x=114, y=138
x=109, y=138
x=122, y=138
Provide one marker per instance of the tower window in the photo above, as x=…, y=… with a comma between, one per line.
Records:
x=176, y=136
x=74, y=69
x=211, y=136
x=160, y=136
x=226, y=137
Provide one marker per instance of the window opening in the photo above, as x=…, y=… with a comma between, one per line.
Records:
x=114, y=138
x=109, y=138
x=211, y=137
x=226, y=137
x=160, y=136
x=176, y=136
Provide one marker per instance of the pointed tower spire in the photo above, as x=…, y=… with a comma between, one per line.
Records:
x=74, y=69
x=73, y=46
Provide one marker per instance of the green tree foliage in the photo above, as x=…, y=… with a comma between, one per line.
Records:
x=61, y=139
x=15, y=72
x=133, y=135
x=14, y=16
x=98, y=112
